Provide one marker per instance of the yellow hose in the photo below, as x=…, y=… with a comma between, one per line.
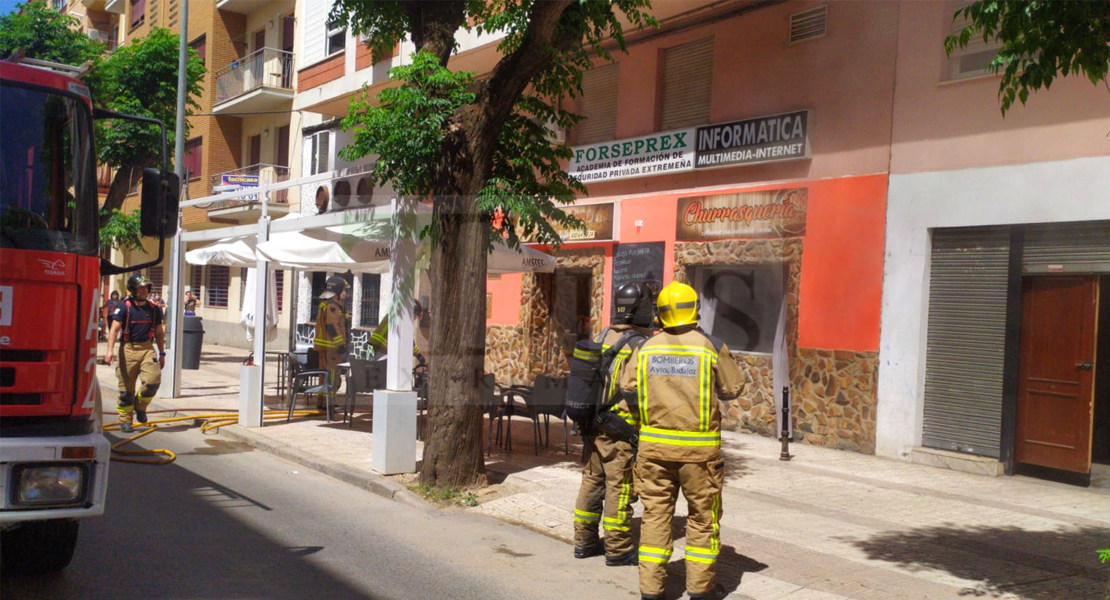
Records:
x=212, y=421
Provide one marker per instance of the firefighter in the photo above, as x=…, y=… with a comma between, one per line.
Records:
x=676, y=382
x=141, y=323
x=606, y=494
x=379, y=339
x=331, y=331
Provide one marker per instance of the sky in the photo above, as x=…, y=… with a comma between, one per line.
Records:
x=7, y=6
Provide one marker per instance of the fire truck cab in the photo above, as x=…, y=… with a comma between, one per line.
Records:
x=53, y=454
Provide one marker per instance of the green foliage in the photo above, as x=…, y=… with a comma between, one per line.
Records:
x=141, y=79
x=1103, y=555
x=1041, y=40
x=445, y=495
x=121, y=231
x=407, y=126
x=46, y=34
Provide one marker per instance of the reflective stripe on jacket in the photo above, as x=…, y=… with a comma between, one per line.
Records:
x=331, y=326
x=609, y=338
x=678, y=380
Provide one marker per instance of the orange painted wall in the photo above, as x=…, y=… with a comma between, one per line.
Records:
x=842, y=260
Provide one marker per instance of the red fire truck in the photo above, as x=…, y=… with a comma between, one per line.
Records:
x=53, y=454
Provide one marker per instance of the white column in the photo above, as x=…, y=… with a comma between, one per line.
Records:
x=252, y=377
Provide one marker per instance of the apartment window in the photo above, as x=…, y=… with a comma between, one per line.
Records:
x=279, y=283
x=336, y=39
x=200, y=45
x=217, y=284
x=740, y=304
x=319, y=278
x=138, y=12
x=599, y=104
x=319, y=147
x=974, y=59
x=371, y=298
x=687, y=83
x=194, y=153
x=196, y=278
x=154, y=274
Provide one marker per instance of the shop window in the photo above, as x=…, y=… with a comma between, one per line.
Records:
x=216, y=285
x=371, y=298
x=599, y=104
x=740, y=304
x=687, y=84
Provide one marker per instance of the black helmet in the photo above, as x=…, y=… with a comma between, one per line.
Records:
x=333, y=287
x=137, y=281
x=635, y=304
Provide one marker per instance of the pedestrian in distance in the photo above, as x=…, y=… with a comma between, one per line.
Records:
x=137, y=324
x=331, y=331
x=191, y=303
x=680, y=376
x=606, y=494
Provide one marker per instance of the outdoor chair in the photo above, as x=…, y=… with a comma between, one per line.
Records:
x=307, y=378
x=545, y=398
x=365, y=377
x=493, y=405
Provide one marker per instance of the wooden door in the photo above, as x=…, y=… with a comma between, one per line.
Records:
x=1056, y=373
x=256, y=150
x=282, y=158
x=259, y=39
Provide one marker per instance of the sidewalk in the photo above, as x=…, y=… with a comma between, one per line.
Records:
x=827, y=525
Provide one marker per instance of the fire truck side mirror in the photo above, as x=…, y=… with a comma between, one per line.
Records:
x=161, y=194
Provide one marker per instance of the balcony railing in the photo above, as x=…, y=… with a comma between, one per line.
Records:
x=267, y=67
x=266, y=174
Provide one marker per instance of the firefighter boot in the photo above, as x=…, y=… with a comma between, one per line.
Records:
x=594, y=549
x=624, y=560
x=125, y=424
x=716, y=593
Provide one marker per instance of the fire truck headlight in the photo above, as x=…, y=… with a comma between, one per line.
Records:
x=50, y=484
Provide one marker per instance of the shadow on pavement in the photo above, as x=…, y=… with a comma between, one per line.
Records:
x=731, y=567
x=1039, y=565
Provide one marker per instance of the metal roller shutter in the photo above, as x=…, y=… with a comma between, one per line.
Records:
x=687, y=84
x=1068, y=248
x=966, y=340
x=599, y=104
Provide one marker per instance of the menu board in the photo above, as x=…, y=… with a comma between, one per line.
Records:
x=637, y=262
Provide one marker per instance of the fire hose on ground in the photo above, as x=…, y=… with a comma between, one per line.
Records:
x=163, y=456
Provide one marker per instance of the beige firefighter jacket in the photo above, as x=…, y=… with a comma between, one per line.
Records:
x=331, y=333
x=680, y=376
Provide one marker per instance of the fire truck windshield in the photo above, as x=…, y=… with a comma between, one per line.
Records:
x=47, y=171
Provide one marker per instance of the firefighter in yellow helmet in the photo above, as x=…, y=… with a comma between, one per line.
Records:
x=605, y=497
x=331, y=331
x=681, y=374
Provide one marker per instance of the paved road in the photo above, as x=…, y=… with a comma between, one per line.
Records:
x=224, y=521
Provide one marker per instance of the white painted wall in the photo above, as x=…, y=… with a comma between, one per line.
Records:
x=1046, y=192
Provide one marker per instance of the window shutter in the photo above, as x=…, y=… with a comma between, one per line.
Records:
x=599, y=104
x=974, y=59
x=323, y=149
x=687, y=84
x=808, y=24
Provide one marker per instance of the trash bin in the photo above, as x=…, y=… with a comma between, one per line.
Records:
x=193, y=328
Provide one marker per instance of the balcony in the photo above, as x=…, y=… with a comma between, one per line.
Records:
x=243, y=7
x=249, y=209
x=118, y=7
x=262, y=80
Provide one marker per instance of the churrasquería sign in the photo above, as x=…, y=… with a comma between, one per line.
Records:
x=759, y=140
x=764, y=214
x=656, y=154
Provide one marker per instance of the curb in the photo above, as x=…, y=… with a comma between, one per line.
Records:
x=377, y=484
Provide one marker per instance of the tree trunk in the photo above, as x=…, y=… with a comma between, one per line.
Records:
x=453, y=440
x=124, y=179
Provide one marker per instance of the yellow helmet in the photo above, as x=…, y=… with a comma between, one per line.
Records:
x=677, y=305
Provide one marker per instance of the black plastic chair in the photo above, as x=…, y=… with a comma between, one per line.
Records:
x=494, y=407
x=548, y=400
x=306, y=378
x=512, y=408
x=366, y=376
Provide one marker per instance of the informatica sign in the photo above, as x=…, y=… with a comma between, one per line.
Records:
x=656, y=154
x=751, y=141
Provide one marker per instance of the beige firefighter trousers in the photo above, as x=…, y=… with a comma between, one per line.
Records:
x=658, y=482
x=138, y=361
x=606, y=495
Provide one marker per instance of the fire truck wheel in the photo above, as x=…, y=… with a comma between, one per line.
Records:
x=39, y=546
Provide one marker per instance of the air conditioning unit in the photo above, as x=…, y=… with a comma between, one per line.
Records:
x=97, y=34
